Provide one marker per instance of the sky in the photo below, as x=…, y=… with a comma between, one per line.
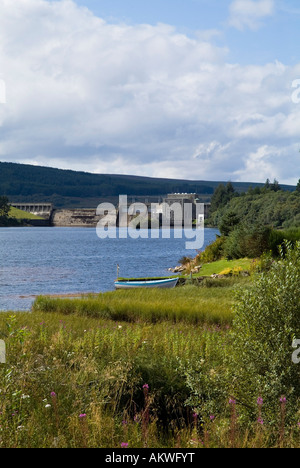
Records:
x=191, y=89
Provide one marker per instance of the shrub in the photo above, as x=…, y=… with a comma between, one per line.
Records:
x=267, y=320
x=247, y=241
x=212, y=253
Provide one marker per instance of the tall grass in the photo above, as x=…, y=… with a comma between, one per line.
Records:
x=73, y=382
x=190, y=304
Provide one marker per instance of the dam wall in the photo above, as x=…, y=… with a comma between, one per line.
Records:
x=74, y=218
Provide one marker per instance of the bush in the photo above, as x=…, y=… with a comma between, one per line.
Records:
x=247, y=241
x=267, y=320
x=212, y=253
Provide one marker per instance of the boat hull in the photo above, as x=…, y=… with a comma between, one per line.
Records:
x=161, y=284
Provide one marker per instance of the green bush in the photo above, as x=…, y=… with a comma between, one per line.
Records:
x=267, y=320
x=246, y=241
x=212, y=253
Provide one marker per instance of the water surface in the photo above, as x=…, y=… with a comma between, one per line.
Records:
x=38, y=261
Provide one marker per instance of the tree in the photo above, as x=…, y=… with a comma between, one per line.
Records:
x=222, y=196
x=275, y=186
x=298, y=186
x=4, y=210
x=228, y=223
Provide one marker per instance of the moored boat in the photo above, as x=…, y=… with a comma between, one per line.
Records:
x=165, y=283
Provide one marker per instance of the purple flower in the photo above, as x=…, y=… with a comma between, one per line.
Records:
x=124, y=444
x=53, y=394
x=146, y=386
x=260, y=401
x=211, y=417
x=282, y=399
x=260, y=421
x=82, y=416
x=232, y=402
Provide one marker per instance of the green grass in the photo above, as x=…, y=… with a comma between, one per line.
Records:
x=98, y=368
x=217, y=267
x=190, y=304
x=20, y=215
x=60, y=367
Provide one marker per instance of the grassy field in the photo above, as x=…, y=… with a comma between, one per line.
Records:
x=220, y=266
x=21, y=215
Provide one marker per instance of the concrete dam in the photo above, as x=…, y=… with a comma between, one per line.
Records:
x=88, y=217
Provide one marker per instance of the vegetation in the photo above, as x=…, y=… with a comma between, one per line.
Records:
x=69, y=189
x=80, y=375
x=267, y=206
x=189, y=304
x=22, y=215
x=4, y=211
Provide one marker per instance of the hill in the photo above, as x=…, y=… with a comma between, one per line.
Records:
x=66, y=188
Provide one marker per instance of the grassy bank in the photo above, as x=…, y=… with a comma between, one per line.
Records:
x=21, y=215
x=190, y=304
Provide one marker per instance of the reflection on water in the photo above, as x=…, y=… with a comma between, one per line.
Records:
x=68, y=260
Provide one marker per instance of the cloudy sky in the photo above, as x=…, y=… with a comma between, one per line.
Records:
x=195, y=89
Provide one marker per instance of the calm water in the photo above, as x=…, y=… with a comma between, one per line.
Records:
x=68, y=260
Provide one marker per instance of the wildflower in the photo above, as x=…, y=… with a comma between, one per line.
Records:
x=212, y=417
x=48, y=406
x=146, y=386
x=82, y=416
x=260, y=421
x=232, y=402
x=124, y=423
x=260, y=401
x=282, y=399
x=53, y=394
x=124, y=444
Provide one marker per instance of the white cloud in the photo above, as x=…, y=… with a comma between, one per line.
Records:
x=250, y=13
x=88, y=95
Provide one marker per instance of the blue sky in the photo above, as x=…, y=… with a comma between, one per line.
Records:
x=278, y=37
x=195, y=89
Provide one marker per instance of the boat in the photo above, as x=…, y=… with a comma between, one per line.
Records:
x=165, y=283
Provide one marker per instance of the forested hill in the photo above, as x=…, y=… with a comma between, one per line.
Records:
x=66, y=188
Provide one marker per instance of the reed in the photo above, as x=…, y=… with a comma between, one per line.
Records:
x=190, y=304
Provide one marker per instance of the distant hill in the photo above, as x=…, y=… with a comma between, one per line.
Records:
x=66, y=188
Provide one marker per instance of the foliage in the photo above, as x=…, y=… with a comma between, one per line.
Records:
x=276, y=208
x=246, y=241
x=189, y=304
x=4, y=210
x=212, y=253
x=222, y=195
x=267, y=320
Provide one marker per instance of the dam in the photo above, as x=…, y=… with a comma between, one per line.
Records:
x=88, y=217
